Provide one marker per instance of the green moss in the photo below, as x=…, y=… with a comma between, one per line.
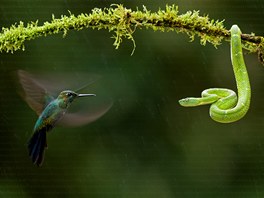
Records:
x=123, y=23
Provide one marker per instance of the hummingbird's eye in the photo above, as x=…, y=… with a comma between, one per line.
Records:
x=68, y=94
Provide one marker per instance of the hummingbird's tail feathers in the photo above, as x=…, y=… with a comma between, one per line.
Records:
x=36, y=147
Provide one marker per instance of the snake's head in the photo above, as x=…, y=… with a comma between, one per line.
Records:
x=189, y=102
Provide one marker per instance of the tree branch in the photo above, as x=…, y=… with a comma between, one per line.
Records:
x=123, y=22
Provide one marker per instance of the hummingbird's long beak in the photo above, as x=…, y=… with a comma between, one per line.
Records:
x=84, y=95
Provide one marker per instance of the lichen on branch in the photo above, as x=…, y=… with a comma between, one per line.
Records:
x=123, y=22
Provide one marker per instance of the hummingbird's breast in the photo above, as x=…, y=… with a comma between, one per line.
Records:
x=50, y=116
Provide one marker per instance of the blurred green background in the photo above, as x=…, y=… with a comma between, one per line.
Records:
x=146, y=145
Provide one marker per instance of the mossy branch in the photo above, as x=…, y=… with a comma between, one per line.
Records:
x=123, y=22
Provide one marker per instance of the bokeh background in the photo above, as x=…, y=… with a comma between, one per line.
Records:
x=146, y=145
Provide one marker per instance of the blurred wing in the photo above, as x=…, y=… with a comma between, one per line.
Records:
x=33, y=93
x=81, y=118
x=57, y=82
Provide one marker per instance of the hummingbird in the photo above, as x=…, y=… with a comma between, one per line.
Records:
x=52, y=111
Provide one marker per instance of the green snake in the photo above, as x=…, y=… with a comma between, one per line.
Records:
x=226, y=107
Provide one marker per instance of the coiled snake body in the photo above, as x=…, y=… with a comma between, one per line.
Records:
x=226, y=107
